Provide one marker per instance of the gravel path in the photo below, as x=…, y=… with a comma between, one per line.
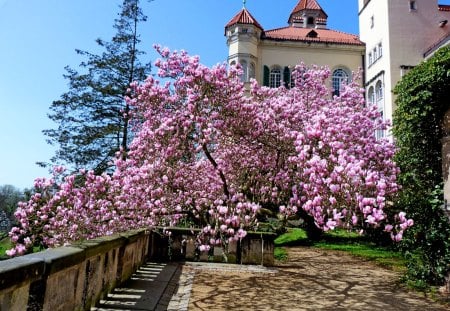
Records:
x=312, y=279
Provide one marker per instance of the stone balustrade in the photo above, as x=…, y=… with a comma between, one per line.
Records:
x=256, y=248
x=75, y=277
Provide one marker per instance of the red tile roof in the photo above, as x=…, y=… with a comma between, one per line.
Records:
x=315, y=35
x=444, y=7
x=244, y=17
x=306, y=5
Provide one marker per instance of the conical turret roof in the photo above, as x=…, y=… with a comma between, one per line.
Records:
x=244, y=17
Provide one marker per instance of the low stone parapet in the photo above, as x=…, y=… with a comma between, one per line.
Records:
x=256, y=248
x=77, y=276
x=74, y=277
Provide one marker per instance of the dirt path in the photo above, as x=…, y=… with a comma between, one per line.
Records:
x=312, y=279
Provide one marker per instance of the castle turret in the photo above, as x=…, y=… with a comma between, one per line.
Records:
x=243, y=34
x=308, y=14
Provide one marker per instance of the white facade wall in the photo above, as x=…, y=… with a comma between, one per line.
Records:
x=374, y=30
x=405, y=34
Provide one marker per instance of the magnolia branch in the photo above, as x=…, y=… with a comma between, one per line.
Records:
x=214, y=163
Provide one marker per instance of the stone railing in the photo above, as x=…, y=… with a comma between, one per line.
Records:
x=256, y=248
x=75, y=277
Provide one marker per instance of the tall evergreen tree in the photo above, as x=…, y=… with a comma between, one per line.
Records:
x=93, y=116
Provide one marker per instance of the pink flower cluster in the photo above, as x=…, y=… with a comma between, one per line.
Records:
x=210, y=151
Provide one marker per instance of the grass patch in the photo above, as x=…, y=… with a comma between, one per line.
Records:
x=380, y=255
x=350, y=242
x=293, y=237
x=5, y=244
x=280, y=254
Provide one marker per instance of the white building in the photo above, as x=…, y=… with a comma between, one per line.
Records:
x=399, y=34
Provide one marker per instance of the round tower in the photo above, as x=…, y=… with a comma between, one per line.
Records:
x=243, y=33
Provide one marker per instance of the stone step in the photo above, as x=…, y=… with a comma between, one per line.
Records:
x=150, y=288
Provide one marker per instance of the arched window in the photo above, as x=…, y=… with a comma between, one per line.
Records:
x=380, y=133
x=379, y=94
x=251, y=71
x=371, y=95
x=339, y=77
x=275, y=77
x=244, y=77
x=379, y=91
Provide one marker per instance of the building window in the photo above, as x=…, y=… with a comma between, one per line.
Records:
x=372, y=21
x=310, y=21
x=370, y=59
x=375, y=54
x=371, y=96
x=339, y=78
x=312, y=34
x=243, y=64
x=380, y=50
x=412, y=5
x=404, y=69
x=275, y=77
x=379, y=91
x=251, y=71
x=380, y=133
x=379, y=94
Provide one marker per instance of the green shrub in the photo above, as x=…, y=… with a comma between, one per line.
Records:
x=5, y=244
x=422, y=100
x=280, y=254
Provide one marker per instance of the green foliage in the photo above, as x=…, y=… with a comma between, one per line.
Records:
x=5, y=244
x=427, y=247
x=294, y=236
x=9, y=197
x=422, y=100
x=280, y=254
x=93, y=117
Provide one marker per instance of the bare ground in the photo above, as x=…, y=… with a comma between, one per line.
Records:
x=312, y=279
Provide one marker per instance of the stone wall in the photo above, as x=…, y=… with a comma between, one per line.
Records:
x=73, y=277
x=255, y=248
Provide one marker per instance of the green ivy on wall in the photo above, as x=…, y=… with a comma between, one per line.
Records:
x=423, y=97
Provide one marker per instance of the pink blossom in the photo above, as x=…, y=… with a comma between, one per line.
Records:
x=212, y=152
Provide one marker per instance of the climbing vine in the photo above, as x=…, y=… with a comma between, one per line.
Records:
x=422, y=100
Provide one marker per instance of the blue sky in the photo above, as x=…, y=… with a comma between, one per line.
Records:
x=38, y=39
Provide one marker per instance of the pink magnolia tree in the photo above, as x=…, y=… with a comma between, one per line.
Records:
x=211, y=152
